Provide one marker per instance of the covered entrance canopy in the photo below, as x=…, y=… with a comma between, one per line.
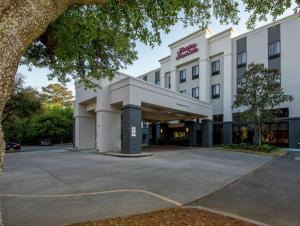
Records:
x=122, y=105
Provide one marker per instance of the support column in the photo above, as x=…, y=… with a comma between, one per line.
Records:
x=131, y=129
x=227, y=133
x=204, y=80
x=207, y=132
x=173, y=80
x=191, y=133
x=108, y=130
x=152, y=134
x=227, y=88
x=294, y=132
x=163, y=130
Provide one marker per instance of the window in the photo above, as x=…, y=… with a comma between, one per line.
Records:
x=195, y=92
x=215, y=91
x=157, y=77
x=215, y=67
x=218, y=118
x=145, y=78
x=195, y=72
x=182, y=76
x=242, y=59
x=183, y=91
x=274, y=49
x=168, y=80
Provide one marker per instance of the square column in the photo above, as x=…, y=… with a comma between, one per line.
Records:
x=227, y=88
x=207, y=132
x=204, y=80
x=191, y=133
x=108, y=130
x=173, y=80
x=227, y=133
x=294, y=132
x=131, y=129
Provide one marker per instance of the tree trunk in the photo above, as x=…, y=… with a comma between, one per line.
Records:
x=257, y=135
x=20, y=24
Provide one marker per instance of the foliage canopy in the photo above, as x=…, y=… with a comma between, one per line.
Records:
x=95, y=41
x=258, y=93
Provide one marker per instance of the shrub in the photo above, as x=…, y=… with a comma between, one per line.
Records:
x=262, y=148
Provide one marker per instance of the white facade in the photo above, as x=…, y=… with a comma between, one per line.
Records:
x=197, y=80
x=222, y=46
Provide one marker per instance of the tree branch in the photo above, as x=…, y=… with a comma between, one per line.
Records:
x=4, y=5
x=86, y=2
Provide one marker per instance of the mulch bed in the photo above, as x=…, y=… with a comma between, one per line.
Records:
x=173, y=216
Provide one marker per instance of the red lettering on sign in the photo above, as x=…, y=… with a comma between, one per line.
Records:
x=185, y=51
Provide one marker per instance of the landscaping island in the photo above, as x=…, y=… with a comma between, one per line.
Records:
x=173, y=216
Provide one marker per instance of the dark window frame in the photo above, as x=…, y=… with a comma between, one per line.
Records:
x=168, y=80
x=182, y=91
x=195, y=76
x=157, y=75
x=241, y=64
x=274, y=55
x=194, y=89
x=215, y=72
x=181, y=79
x=145, y=78
x=215, y=95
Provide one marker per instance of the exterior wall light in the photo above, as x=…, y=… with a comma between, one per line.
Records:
x=187, y=129
x=161, y=130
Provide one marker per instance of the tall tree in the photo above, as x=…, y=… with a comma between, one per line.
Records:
x=95, y=41
x=57, y=94
x=56, y=123
x=259, y=92
x=24, y=102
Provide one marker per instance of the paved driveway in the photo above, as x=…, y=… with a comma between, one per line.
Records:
x=30, y=148
x=60, y=187
x=270, y=194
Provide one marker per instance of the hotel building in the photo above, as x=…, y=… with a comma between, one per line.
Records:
x=188, y=100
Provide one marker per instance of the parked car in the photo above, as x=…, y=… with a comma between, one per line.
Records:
x=45, y=142
x=12, y=146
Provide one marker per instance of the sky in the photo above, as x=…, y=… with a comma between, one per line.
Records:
x=147, y=57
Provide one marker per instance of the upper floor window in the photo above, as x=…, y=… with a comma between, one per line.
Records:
x=241, y=59
x=215, y=89
x=182, y=76
x=168, y=80
x=218, y=118
x=274, y=49
x=183, y=91
x=215, y=67
x=145, y=78
x=195, y=92
x=195, y=72
x=157, y=77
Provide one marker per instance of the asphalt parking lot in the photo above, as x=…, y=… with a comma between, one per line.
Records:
x=270, y=194
x=30, y=148
x=60, y=187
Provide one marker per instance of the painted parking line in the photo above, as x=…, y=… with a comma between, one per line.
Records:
x=93, y=193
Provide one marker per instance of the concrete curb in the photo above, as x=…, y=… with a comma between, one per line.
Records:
x=226, y=214
x=123, y=155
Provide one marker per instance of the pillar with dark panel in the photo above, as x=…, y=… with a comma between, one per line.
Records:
x=294, y=132
x=207, y=132
x=191, y=133
x=163, y=133
x=227, y=133
x=131, y=129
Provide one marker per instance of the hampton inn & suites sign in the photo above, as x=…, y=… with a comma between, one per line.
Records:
x=187, y=50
